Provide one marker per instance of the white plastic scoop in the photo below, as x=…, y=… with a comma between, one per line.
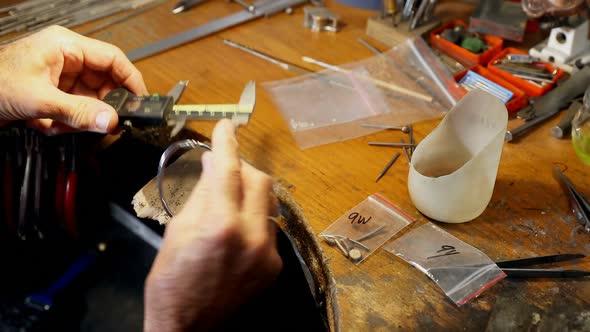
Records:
x=453, y=170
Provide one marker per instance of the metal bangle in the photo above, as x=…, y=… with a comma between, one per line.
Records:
x=184, y=146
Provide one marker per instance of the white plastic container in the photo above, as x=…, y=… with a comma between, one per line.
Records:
x=453, y=170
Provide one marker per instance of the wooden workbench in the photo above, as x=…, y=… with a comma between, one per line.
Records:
x=527, y=216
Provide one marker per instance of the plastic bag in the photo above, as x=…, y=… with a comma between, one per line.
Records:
x=364, y=228
x=327, y=107
x=460, y=270
x=404, y=85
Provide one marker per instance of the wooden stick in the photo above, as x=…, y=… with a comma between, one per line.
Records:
x=377, y=82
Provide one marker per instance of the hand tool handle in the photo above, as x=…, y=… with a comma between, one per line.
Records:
x=70, y=210
x=512, y=134
x=565, y=124
x=44, y=300
x=559, y=97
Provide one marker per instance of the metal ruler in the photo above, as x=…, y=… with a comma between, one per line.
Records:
x=260, y=8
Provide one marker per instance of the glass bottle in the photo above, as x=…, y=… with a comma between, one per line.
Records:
x=581, y=130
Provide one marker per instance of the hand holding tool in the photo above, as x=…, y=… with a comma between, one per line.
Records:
x=156, y=110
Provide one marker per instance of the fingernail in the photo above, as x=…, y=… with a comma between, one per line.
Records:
x=102, y=121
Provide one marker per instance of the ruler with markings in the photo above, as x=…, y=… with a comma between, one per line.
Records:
x=157, y=110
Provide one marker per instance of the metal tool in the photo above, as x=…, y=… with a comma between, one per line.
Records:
x=390, y=10
x=396, y=145
x=71, y=189
x=559, y=97
x=387, y=166
x=135, y=225
x=286, y=65
x=472, y=80
x=263, y=8
x=578, y=203
x=185, y=5
x=156, y=110
x=513, y=133
x=565, y=123
x=513, y=268
x=417, y=16
x=25, y=190
x=403, y=129
x=281, y=63
x=522, y=58
x=138, y=11
x=321, y=19
x=412, y=143
x=405, y=149
x=68, y=13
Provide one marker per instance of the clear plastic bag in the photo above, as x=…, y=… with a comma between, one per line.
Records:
x=460, y=270
x=364, y=228
x=327, y=107
x=404, y=85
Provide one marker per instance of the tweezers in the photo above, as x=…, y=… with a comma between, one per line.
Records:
x=513, y=270
x=578, y=203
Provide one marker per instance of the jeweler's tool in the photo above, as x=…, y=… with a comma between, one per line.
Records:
x=156, y=110
x=264, y=8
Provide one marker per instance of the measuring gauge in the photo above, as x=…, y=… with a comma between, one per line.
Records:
x=158, y=110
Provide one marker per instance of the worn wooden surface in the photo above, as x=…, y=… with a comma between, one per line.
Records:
x=527, y=215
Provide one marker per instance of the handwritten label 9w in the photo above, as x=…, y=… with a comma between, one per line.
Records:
x=356, y=217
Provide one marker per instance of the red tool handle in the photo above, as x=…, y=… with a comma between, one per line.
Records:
x=70, y=204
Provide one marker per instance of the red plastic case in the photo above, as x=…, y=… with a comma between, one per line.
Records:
x=518, y=101
x=462, y=55
x=524, y=85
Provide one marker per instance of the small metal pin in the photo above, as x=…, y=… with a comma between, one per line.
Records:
x=388, y=166
x=403, y=129
x=340, y=244
x=393, y=144
x=370, y=234
x=413, y=146
x=405, y=149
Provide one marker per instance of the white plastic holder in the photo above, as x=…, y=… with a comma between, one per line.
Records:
x=453, y=170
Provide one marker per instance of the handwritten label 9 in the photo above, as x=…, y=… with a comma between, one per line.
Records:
x=358, y=218
x=446, y=250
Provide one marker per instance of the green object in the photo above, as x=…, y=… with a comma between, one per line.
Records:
x=581, y=130
x=473, y=44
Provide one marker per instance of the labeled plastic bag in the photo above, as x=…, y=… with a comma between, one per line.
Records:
x=460, y=270
x=364, y=228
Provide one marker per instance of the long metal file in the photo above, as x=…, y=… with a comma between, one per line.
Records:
x=264, y=8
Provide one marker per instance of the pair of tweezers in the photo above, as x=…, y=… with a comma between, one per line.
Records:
x=578, y=203
x=513, y=269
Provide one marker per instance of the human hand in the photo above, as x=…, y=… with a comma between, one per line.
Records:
x=55, y=79
x=220, y=249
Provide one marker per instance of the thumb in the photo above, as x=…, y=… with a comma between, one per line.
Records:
x=80, y=112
